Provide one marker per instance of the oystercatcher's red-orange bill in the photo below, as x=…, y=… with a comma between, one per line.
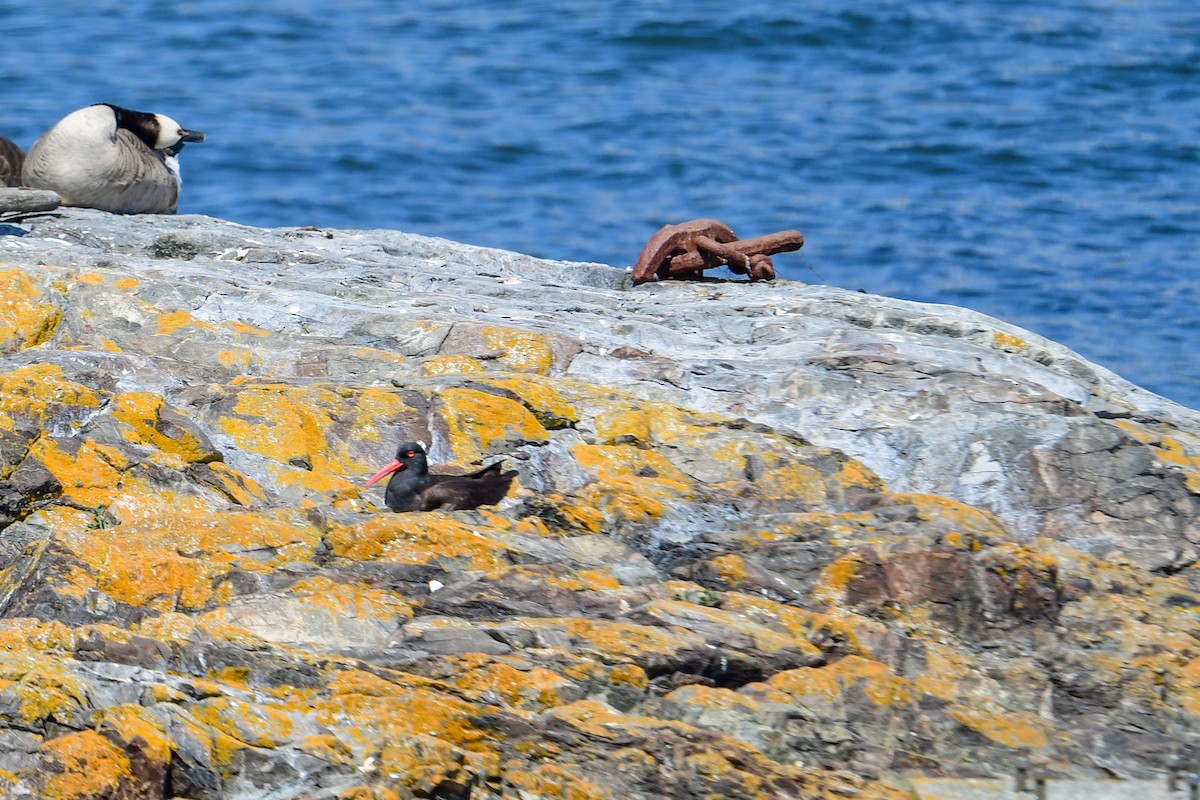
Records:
x=395, y=466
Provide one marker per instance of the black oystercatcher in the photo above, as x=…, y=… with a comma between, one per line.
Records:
x=413, y=488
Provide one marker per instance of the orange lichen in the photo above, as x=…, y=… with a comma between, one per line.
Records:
x=539, y=396
x=456, y=364
x=826, y=684
x=631, y=420
x=173, y=559
x=239, y=488
x=419, y=539
x=240, y=358
x=835, y=577
x=92, y=476
x=295, y=425
x=24, y=321
x=1007, y=341
x=47, y=691
x=249, y=330
x=477, y=421
x=550, y=781
x=1016, y=729
x=142, y=411
x=83, y=766
x=731, y=568
x=839, y=626
x=534, y=688
x=126, y=284
x=362, y=708
x=171, y=321
x=38, y=392
x=972, y=521
x=520, y=350
x=1173, y=447
x=133, y=725
x=630, y=675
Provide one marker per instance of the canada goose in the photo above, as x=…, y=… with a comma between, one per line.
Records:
x=111, y=158
x=413, y=488
x=10, y=163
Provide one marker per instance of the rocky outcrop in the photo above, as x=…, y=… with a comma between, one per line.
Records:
x=769, y=541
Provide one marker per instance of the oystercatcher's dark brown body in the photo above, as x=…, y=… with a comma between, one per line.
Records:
x=414, y=488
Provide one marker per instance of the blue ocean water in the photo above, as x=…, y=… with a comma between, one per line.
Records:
x=1037, y=161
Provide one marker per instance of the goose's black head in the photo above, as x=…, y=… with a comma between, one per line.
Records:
x=156, y=131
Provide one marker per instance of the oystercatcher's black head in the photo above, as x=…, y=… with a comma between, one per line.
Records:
x=409, y=456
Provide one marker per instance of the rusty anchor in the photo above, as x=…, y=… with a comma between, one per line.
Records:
x=684, y=251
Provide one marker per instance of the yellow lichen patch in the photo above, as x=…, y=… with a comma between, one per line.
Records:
x=477, y=420
x=83, y=766
x=1174, y=447
x=169, y=628
x=344, y=600
x=835, y=577
x=839, y=627
x=24, y=633
x=629, y=420
x=49, y=692
x=1016, y=729
x=239, y=488
x=134, y=726
x=731, y=568
x=90, y=278
x=24, y=321
x=688, y=616
x=549, y=781
x=711, y=698
x=240, y=358
x=290, y=425
x=419, y=539
x=619, y=641
x=944, y=668
x=972, y=521
x=629, y=675
x=550, y=407
x=93, y=476
x=248, y=330
x=526, y=687
x=36, y=390
x=608, y=462
x=254, y=724
x=602, y=722
x=171, y=321
x=141, y=411
x=379, y=355
x=520, y=350
x=854, y=474
x=573, y=514
x=631, y=483
x=779, y=475
x=126, y=284
x=450, y=365
x=173, y=559
x=825, y=685
x=375, y=408
x=426, y=765
x=364, y=709
x=1007, y=341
